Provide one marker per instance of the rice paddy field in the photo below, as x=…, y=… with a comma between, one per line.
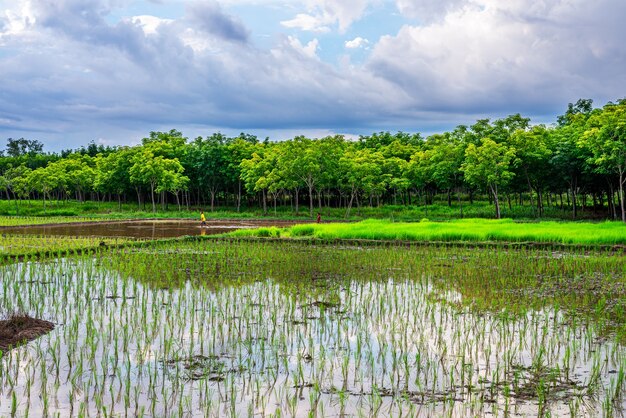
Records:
x=10, y=221
x=467, y=230
x=18, y=246
x=214, y=327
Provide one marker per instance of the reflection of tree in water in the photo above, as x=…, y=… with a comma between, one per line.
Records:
x=318, y=272
x=487, y=279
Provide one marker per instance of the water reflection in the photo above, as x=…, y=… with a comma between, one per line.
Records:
x=144, y=229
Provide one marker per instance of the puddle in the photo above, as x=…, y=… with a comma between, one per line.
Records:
x=141, y=229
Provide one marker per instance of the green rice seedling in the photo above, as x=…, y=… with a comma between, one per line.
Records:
x=464, y=230
x=224, y=327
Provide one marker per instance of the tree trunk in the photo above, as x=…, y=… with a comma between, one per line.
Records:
x=152, y=197
x=238, y=195
x=349, y=205
x=574, y=206
x=621, y=193
x=310, y=200
x=611, y=200
x=264, y=203
x=530, y=190
x=494, y=191
x=274, y=197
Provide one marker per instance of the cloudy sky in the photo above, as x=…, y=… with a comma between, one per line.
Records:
x=72, y=71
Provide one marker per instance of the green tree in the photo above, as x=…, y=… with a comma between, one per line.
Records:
x=362, y=173
x=489, y=165
x=155, y=171
x=605, y=137
x=77, y=173
x=44, y=180
x=206, y=162
x=237, y=150
x=569, y=155
x=113, y=172
x=260, y=174
x=441, y=163
x=306, y=164
x=19, y=147
x=533, y=152
x=17, y=178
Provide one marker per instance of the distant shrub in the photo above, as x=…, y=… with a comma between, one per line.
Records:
x=302, y=230
x=271, y=232
x=59, y=212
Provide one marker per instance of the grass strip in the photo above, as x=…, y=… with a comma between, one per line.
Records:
x=466, y=230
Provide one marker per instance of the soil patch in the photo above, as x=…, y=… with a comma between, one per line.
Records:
x=20, y=329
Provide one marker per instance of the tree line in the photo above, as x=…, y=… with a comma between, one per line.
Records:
x=580, y=160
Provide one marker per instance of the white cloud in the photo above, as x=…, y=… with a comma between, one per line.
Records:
x=84, y=77
x=70, y=67
x=427, y=10
x=16, y=21
x=493, y=55
x=325, y=13
x=357, y=42
x=307, y=23
x=310, y=49
x=149, y=24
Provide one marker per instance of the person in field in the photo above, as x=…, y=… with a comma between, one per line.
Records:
x=202, y=219
x=319, y=217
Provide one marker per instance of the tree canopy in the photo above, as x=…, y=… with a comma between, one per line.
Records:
x=581, y=157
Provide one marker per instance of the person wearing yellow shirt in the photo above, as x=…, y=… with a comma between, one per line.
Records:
x=202, y=219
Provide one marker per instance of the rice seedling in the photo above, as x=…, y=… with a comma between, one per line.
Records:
x=239, y=328
x=9, y=221
x=13, y=246
x=464, y=230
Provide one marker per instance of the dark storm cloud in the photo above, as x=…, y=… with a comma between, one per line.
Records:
x=68, y=68
x=209, y=17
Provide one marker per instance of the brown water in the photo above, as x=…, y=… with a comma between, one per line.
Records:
x=145, y=229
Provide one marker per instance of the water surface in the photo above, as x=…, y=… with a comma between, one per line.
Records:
x=144, y=229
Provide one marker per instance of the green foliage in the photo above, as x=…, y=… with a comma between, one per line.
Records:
x=581, y=160
x=605, y=138
x=489, y=164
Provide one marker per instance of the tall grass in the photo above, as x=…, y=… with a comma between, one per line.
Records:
x=469, y=230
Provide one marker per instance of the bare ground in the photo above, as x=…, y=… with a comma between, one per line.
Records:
x=20, y=329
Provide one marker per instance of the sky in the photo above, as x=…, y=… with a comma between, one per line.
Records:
x=111, y=71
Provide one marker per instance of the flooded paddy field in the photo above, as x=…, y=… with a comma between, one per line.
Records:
x=234, y=328
x=142, y=229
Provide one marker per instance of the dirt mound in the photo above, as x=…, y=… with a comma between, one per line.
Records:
x=20, y=329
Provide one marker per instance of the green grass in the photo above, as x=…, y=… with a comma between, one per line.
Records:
x=469, y=230
x=37, y=220
x=437, y=211
x=29, y=245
